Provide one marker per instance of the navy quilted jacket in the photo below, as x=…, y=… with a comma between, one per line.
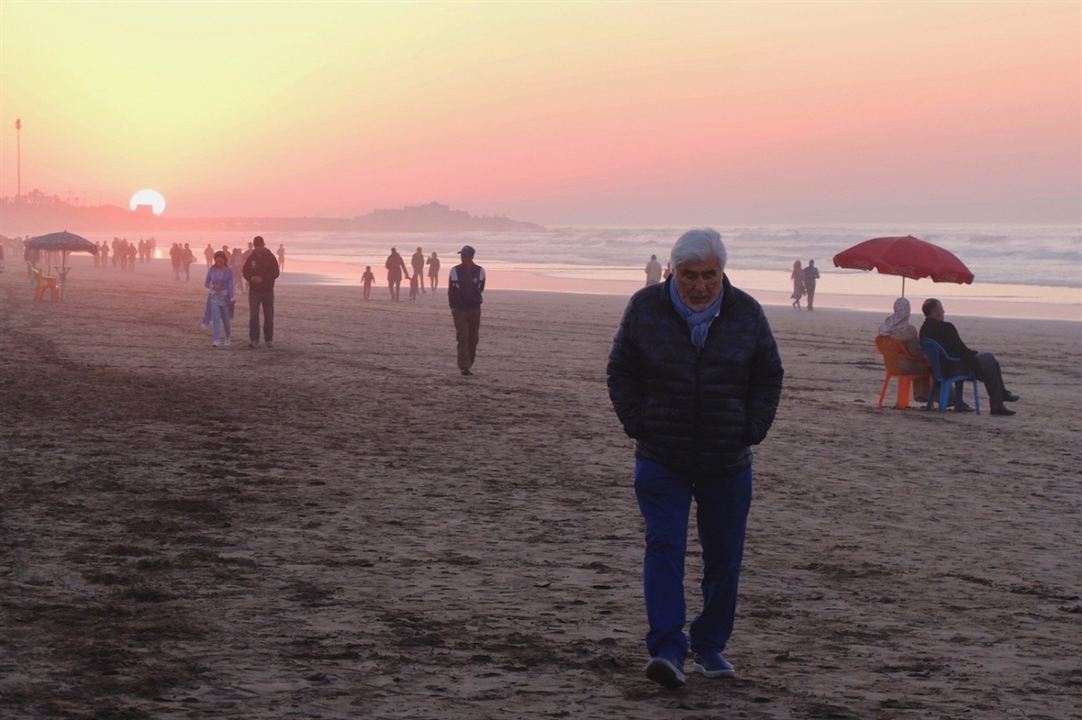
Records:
x=695, y=411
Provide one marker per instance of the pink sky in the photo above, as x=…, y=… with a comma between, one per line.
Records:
x=583, y=113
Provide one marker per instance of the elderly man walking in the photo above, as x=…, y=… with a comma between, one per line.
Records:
x=695, y=376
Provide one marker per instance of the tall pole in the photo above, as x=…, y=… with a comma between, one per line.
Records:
x=18, y=161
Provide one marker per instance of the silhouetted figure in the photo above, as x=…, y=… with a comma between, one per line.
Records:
x=464, y=288
x=653, y=271
x=396, y=268
x=668, y=271
x=418, y=263
x=236, y=261
x=260, y=270
x=221, y=293
x=187, y=258
x=433, y=272
x=174, y=260
x=797, y=276
x=104, y=252
x=281, y=257
x=208, y=253
x=367, y=279
x=811, y=274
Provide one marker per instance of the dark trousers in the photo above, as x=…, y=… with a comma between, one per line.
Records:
x=467, y=328
x=721, y=511
x=256, y=300
x=989, y=373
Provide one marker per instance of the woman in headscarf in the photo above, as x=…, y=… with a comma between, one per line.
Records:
x=897, y=326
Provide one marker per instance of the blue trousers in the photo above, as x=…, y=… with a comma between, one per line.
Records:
x=722, y=511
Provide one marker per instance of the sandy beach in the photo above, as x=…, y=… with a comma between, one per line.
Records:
x=344, y=527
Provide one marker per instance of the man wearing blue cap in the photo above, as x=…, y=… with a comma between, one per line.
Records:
x=464, y=288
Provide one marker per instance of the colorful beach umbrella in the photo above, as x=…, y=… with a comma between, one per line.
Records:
x=907, y=256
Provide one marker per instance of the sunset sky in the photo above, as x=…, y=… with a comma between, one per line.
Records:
x=576, y=113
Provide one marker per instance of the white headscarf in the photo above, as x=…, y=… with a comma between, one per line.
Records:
x=898, y=321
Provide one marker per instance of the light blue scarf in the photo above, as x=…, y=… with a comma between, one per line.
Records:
x=698, y=321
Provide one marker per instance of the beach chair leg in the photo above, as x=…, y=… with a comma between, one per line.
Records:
x=883, y=391
x=904, y=385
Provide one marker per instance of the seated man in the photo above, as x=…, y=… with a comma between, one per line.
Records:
x=983, y=364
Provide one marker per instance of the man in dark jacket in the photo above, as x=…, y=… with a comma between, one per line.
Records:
x=984, y=364
x=260, y=270
x=464, y=288
x=695, y=377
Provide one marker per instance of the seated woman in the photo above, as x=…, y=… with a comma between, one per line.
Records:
x=898, y=326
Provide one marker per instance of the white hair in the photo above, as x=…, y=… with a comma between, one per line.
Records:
x=700, y=244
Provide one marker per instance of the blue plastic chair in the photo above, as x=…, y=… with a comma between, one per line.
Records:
x=937, y=356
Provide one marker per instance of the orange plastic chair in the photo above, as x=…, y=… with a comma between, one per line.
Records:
x=892, y=351
x=42, y=283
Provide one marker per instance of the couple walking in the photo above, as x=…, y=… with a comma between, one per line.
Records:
x=260, y=271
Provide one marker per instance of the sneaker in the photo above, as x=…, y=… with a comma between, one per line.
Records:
x=227, y=342
x=713, y=665
x=216, y=343
x=665, y=673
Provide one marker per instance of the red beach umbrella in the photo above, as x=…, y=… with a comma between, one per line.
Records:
x=907, y=256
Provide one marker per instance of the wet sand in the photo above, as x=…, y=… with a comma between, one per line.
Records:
x=344, y=527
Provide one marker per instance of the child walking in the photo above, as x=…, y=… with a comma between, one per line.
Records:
x=367, y=279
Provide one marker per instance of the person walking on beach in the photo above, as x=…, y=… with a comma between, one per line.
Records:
x=174, y=260
x=811, y=274
x=208, y=253
x=418, y=263
x=433, y=272
x=366, y=280
x=281, y=257
x=653, y=271
x=465, y=286
x=695, y=377
x=221, y=293
x=260, y=270
x=236, y=261
x=187, y=258
x=984, y=364
x=396, y=268
x=797, y=276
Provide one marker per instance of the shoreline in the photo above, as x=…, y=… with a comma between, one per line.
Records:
x=862, y=292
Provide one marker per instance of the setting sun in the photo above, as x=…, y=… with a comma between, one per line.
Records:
x=149, y=197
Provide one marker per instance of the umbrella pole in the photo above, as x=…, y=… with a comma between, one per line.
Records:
x=903, y=285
